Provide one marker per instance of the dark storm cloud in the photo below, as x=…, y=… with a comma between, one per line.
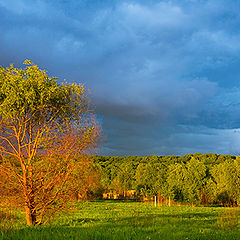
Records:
x=163, y=74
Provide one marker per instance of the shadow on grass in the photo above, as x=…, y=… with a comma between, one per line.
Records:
x=117, y=232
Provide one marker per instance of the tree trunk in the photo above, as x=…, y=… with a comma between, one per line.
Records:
x=29, y=196
x=30, y=216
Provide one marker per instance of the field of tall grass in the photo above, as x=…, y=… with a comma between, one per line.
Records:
x=127, y=220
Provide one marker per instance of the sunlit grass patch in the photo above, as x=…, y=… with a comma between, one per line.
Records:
x=131, y=220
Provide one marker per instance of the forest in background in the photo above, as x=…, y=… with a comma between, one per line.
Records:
x=204, y=179
x=196, y=179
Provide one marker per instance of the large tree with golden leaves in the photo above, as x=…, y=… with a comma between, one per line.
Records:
x=44, y=125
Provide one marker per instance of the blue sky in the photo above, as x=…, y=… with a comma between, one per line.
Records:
x=163, y=75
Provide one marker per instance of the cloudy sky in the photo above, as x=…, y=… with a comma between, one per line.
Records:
x=163, y=75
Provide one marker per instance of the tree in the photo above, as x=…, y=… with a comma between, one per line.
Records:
x=175, y=181
x=220, y=177
x=85, y=180
x=123, y=172
x=44, y=125
x=233, y=175
x=151, y=178
x=186, y=181
x=194, y=179
x=226, y=176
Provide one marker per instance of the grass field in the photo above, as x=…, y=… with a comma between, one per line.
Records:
x=130, y=220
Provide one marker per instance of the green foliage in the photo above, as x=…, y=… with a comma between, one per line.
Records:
x=175, y=181
x=30, y=91
x=150, y=178
x=226, y=175
x=233, y=175
x=209, y=193
x=194, y=178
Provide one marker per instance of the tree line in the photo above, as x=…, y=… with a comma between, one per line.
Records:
x=194, y=178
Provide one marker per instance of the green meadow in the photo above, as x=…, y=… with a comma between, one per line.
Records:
x=128, y=220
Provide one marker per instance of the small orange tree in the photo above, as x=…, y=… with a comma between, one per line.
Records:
x=43, y=127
